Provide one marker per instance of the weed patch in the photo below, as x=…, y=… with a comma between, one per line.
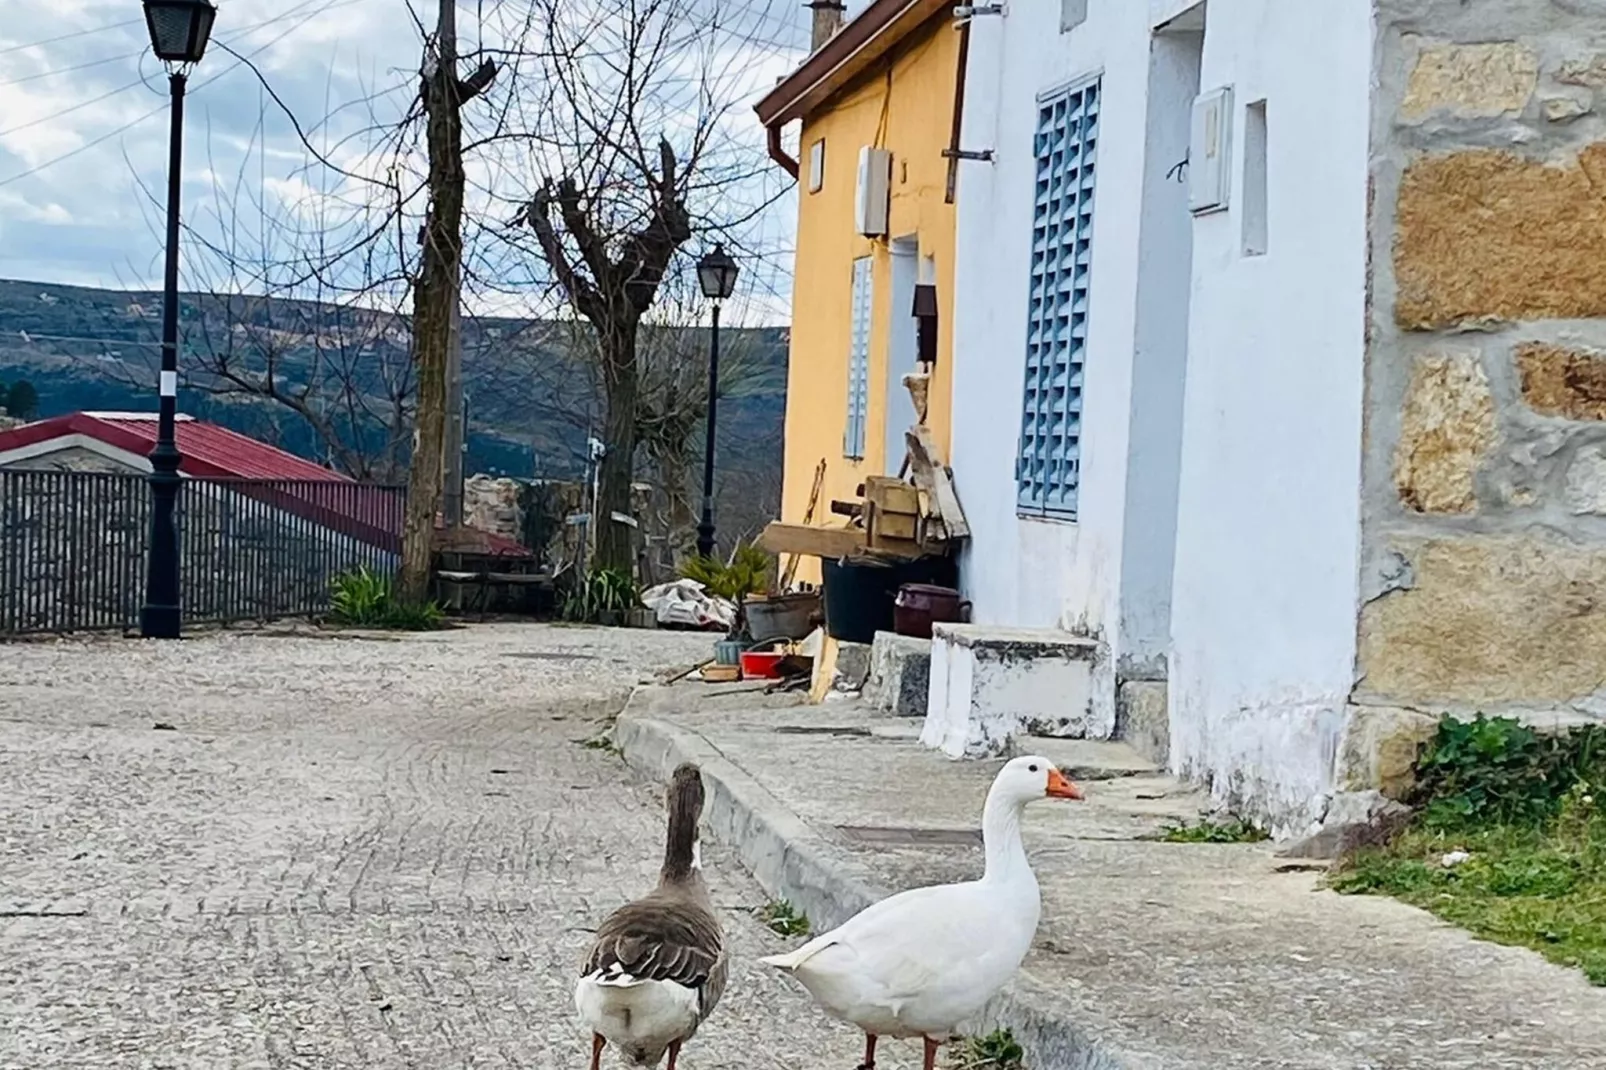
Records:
x=997, y=1050
x=1509, y=841
x=783, y=918
x=1234, y=831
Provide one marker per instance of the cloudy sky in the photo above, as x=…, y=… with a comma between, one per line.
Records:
x=83, y=126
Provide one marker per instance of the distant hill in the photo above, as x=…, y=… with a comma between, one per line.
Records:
x=528, y=392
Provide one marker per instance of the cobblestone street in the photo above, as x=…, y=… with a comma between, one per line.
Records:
x=319, y=851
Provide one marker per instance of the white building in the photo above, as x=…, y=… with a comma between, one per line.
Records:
x=1256, y=452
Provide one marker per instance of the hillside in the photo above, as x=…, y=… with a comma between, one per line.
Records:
x=530, y=397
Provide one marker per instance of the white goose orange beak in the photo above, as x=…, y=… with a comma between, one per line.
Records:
x=1061, y=788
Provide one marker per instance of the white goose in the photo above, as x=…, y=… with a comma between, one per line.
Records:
x=919, y=963
x=658, y=965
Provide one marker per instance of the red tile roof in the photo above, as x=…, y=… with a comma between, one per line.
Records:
x=363, y=511
x=210, y=451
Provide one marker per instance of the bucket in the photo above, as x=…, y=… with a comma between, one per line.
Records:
x=760, y=664
x=782, y=616
x=859, y=595
x=920, y=605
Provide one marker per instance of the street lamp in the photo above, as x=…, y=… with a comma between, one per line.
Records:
x=179, y=33
x=716, y=274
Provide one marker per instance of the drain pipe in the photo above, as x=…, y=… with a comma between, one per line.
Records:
x=953, y=153
x=778, y=154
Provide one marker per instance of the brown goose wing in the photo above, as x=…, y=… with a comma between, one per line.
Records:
x=661, y=939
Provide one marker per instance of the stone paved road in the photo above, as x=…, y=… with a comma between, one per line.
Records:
x=310, y=851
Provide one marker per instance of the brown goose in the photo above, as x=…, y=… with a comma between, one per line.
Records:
x=658, y=965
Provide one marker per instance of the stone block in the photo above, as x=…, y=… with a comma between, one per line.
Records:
x=1477, y=81
x=1565, y=109
x=1488, y=235
x=1585, y=487
x=1447, y=428
x=1379, y=749
x=989, y=685
x=1563, y=380
x=852, y=666
x=900, y=675
x=1354, y=821
x=1586, y=71
x=1143, y=720
x=1488, y=620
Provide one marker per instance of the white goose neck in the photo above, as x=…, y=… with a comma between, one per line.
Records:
x=1000, y=832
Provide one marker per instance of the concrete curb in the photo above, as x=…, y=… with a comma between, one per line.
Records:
x=791, y=861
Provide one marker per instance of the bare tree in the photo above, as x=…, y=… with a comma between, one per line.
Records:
x=636, y=158
x=609, y=129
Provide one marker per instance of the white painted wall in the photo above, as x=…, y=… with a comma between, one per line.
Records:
x=1264, y=592
x=1033, y=572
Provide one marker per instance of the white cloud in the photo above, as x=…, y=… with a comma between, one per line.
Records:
x=83, y=126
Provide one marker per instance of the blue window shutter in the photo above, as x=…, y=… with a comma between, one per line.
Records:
x=1048, y=465
x=858, y=360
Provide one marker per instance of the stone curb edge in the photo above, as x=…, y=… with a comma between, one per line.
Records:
x=793, y=862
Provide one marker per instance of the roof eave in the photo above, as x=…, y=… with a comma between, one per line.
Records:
x=858, y=45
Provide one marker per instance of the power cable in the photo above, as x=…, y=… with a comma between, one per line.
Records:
x=102, y=139
x=70, y=36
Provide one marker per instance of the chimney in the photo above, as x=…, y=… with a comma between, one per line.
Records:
x=828, y=15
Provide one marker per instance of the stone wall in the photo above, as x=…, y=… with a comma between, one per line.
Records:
x=73, y=549
x=1483, y=582
x=492, y=504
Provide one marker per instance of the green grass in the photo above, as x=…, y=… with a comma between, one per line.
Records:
x=1539, y=888
x=1234, y=831
x=997, y=1050
x=783, y=918
x=1523, y=810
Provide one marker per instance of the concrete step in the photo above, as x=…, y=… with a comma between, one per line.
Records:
x=990, y=685
x=900, y=675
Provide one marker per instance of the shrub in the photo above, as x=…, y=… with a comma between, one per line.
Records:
x=603, y=596
x=362, y=598
x=1498, y=770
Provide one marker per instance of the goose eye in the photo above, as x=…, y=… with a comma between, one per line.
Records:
x=1032, y=768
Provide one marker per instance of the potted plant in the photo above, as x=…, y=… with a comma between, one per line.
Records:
x=745, y=573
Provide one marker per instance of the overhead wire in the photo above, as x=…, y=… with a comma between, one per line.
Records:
x=69, y=36
x=124, y=128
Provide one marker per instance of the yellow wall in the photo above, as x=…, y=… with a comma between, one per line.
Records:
x=910, y=114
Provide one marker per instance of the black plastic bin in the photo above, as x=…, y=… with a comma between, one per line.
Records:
x=859, y=596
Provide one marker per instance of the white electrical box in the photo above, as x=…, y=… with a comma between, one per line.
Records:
x=873, y=197
x=1209, y=151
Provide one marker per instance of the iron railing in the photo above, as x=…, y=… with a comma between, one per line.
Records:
x=73, y=547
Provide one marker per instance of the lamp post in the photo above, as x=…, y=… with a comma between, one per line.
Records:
x=716, y=275
x=179, y=32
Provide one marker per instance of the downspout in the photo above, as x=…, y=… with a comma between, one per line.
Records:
x=789, y=165
x=953, y=152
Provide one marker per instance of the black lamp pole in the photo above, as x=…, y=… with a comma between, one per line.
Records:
x=159, y=619
x=179, y=32
x=716, y=276
x=705, y=528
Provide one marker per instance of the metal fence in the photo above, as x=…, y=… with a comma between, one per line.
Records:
x=73, y=547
